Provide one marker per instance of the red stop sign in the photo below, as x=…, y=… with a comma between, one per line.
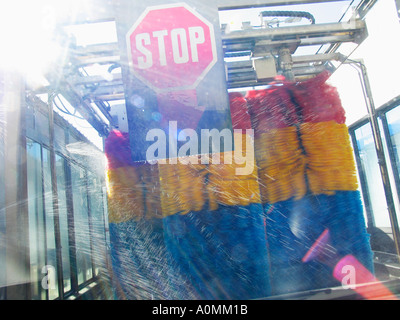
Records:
x=171, y=47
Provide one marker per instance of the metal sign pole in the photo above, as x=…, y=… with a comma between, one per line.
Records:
x=173, y=70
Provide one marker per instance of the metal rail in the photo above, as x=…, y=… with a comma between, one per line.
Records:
x=298, y=32
x=244, y=4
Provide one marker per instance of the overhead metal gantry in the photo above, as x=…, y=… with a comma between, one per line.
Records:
x=254, y=56
x=268, y=44
x=254, y=43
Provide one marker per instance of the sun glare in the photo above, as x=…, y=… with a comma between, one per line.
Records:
x=26, y=36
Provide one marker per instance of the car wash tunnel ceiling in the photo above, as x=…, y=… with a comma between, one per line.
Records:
x=297, y=39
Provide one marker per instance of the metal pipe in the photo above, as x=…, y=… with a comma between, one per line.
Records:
x=362, y=71
x=306, y=31
x=71, y=225
x=54, y=190
x=322, y=57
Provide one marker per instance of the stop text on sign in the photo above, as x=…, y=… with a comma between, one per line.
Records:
x=184, y=46
x=171, y=47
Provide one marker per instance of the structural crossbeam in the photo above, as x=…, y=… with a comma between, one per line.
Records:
x=244, y=4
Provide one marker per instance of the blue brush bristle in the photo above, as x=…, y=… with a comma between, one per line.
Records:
x=223, y=253
x=292, y=228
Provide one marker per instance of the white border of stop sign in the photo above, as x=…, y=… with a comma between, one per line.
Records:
x=144, y=66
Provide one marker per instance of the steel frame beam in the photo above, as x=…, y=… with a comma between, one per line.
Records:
x=71, y=94
x=284, y=33
x=244, y=4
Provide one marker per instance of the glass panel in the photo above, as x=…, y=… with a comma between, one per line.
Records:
x=81, y=223
x=42, y=127
x=393, y=120
x=359, y=182
x=63, y=214
x=76, y=149
x=97, y=218
x=369, y=161
x=36, y=219
x=50, y=233
x=59, y=138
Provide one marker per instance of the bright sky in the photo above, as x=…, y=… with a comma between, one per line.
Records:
x=380, y=53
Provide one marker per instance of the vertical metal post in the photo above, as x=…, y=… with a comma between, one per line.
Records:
x=16, y=191
x=379, y=150
x=54, y=189
x=90, y=217
x=42, y=215
x=3, y=277
x=194, y=99
x=71, y=224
